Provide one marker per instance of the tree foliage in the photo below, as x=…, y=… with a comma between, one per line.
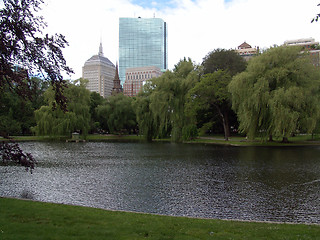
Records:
x=26, y=51
x=210, y=94
x=209, y=100
x=95, y=101
x=56, y=122
x=144, y=115
x=165, y=98
x=117, y=114
x=222, y=59
x=278, y=94
x=16, y=114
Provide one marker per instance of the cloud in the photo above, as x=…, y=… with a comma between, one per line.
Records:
x=194, y=27
x=203, y=26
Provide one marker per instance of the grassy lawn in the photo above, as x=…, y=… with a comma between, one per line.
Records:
x=20, y=219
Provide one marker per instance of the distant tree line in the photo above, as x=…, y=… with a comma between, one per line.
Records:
x=275, y=94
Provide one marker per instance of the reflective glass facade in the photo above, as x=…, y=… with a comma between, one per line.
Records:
x=142, y=42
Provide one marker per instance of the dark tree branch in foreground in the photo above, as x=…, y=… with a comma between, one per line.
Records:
x=26, y=51
x=11, y=153
x=317, y=17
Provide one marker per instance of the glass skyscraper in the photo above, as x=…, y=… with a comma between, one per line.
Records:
x=143, y=42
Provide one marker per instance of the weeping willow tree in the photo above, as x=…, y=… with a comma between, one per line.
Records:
x=144, y=115
x=160, y=108
x=278, y=94
x=116, y=114
x=56, y=122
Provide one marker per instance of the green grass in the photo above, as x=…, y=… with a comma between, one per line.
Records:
x=97, y=137
x=91, y=137
x=299, y=140
x=20, y=219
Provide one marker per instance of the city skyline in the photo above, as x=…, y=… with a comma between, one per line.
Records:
x=195, y=27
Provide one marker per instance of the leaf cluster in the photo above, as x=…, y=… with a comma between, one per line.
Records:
x=11, y=153
x=25, y=52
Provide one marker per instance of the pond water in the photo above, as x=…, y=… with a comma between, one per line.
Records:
x=196, y=180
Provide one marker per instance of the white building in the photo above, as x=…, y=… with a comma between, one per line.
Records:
x=304, y=42
x=100, y=72
x=309, y=45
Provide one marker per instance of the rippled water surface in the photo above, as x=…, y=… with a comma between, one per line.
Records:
x=248, y=183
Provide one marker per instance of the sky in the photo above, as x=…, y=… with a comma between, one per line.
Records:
x=195, y=27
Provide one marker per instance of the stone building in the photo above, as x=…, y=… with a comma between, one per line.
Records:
x=246, y=51
x=136, y=77
x=100, y=72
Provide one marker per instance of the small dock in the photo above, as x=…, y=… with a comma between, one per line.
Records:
x=72, y=140
x=75, y=138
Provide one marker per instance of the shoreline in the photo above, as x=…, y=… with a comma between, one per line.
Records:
x=163, y=215
x=236, y=141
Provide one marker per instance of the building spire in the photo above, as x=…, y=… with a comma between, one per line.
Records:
x=100, y=49
x=117, y=88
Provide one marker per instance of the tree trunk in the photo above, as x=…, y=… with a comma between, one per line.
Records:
x=225, y=122
x=285, y=140
x=226, y=127
x=270, y=138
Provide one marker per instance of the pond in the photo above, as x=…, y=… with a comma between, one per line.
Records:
x=196, y=180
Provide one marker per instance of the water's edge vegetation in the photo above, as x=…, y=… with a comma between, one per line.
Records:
x=298, y=140
x=24, y=219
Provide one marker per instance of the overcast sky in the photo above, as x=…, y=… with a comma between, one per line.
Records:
x=194, y=27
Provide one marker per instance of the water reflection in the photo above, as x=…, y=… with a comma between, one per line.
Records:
x=250, y=183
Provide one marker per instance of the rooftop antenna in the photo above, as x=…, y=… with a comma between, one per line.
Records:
x=100, y=47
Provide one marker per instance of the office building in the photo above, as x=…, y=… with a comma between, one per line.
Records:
x=136, y=77
x=100, y=72
x=142, y=43
x=309, y=45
